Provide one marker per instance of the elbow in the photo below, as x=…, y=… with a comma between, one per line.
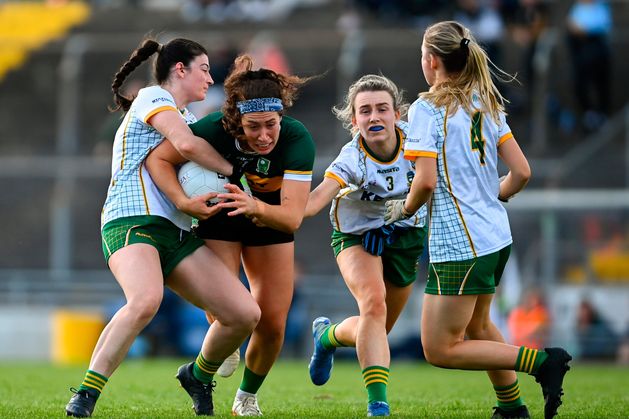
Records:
x=154, y=165
x=527, y=174
x=522, y=175
x=150, y=165
x=428, y=186
x=290, y=224
x=310, y=211
x=185, y=147
x=293, y=225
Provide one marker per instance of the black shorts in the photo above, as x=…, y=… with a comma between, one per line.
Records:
x=240, y=229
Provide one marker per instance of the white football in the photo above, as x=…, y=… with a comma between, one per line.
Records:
x=197, y=180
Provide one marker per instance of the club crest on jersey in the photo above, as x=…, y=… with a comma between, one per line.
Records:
x=263, y=166
x=409, y=177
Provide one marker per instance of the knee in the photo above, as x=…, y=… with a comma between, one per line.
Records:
x=241, y=318
x=251, y=317
x=373, y=306
x=435, y=356
x=435, y=352
x=272, y=328
x=144, y=308
x=245, y=318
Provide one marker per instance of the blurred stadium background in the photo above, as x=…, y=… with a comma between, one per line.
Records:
x=570, y=226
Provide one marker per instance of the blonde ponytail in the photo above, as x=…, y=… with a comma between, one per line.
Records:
x=469, y=69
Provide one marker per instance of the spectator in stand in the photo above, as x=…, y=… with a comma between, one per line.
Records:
x=528, y=323
x=484, y=22
x=589, y=26
x=526, y=20
x=596, y=338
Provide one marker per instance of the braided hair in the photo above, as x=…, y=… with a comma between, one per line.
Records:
x=178, y=50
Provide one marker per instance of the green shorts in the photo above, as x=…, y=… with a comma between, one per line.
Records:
x=475, y=276
x=172, y=243
x=399, y=259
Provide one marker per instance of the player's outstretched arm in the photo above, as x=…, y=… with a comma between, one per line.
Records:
x=321, y=196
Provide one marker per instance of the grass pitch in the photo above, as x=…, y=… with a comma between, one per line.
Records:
x=148, y=389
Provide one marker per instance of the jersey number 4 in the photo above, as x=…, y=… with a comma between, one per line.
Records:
x=476, y=135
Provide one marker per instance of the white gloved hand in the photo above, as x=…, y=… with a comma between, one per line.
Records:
x=394, y=211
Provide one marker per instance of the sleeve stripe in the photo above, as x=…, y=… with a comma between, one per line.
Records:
x=505, y=137
x=336, y=178
x=413, y=154
x=305, y=177
x=158, y=110
x=298, y=172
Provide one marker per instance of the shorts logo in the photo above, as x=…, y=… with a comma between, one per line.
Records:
x=137, y=233
x=263, y=166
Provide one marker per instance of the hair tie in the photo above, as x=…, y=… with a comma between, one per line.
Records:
x=464, y=42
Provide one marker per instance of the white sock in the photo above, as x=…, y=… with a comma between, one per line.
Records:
x=240, y=394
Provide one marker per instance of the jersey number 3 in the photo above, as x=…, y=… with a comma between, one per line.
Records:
x=476, y=134
x=389, y=180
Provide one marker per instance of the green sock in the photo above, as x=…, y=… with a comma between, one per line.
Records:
x=251, y=382
x=529, y=360
x=509, y=396
x=93, y=381
x=204, y=370
x=328, y=338
x=376, y=380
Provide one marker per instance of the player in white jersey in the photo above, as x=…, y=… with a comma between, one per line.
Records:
x=145, y=238
x=378, y=262
x=457, y=133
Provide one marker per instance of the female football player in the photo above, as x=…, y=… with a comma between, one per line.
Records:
x=457, y=133
x=276, y=153
x=145, y=238
x=378, y=262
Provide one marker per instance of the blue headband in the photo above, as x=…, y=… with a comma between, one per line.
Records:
x=262, y=104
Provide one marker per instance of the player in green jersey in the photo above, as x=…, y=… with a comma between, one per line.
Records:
x=276, y=154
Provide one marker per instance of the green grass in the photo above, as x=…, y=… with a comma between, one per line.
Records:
x=147, y=389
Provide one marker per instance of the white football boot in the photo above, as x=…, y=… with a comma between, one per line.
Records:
x=246, y=404
x=229, y=365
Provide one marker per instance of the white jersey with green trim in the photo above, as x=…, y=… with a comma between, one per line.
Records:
x=367, y=183
x=131, y=191
x=466, y=218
